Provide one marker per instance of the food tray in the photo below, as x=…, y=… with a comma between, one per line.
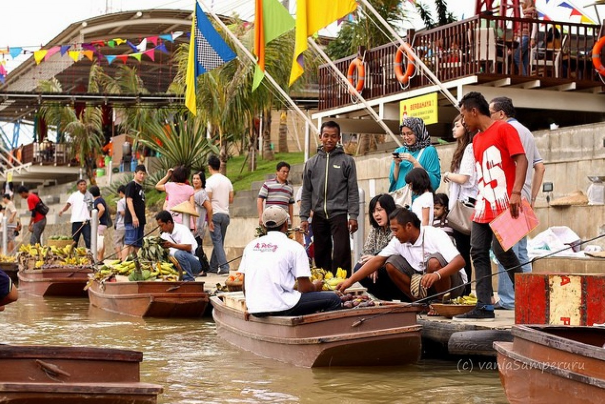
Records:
x=451, y=310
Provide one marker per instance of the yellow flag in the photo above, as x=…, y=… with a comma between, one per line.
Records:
x=311, y=16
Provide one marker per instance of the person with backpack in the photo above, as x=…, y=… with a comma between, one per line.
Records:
x=37, y=224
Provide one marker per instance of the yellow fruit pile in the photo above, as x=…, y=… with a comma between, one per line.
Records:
x=160, y=270
x=469, y=300
x=329, y=280
x=7, y=258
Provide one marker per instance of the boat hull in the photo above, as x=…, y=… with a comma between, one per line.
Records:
x=150, y=298
x=546, y=364
x=67, y=282
x=372, y=336
x=50, y=374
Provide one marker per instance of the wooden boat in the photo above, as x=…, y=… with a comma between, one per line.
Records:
x=59, y=281
x=150, y=298
x=52, y=374
x=551, y=364
x=11, y=269
x=370, y=336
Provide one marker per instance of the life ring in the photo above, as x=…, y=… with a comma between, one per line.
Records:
x=404, y=78
x=596, y=56
x=357, y=68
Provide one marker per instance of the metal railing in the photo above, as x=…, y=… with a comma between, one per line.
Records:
x=489, y=47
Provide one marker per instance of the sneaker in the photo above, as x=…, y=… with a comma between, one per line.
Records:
x=476, y=314
x=497, y=306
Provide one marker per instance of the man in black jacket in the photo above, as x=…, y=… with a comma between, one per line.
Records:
x=330, y=192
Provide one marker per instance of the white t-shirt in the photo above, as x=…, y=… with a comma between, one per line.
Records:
x=121, y=207
x=199, y=198
x=435, y=241
x=220, y=187
x=79, y=207
x=462, y=192
x=9, y=209
x=180, y=235
x=424, y=201
x=271, y=264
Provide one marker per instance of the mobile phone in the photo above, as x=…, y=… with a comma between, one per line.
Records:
x=395, y=154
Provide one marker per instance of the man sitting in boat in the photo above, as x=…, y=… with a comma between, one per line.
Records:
x=271, y=264
x=420, y=261
x=8, y=291
x=181, y=243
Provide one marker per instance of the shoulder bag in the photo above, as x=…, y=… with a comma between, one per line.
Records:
x=459, y=217
x=41, y=208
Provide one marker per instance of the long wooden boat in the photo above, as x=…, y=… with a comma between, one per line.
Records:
x=59, y=281
x=150, y=298
x=370, y=336
x=553, y=364
x=11, y=269
x=69, y=375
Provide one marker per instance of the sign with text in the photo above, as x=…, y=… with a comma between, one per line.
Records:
x=424, y=107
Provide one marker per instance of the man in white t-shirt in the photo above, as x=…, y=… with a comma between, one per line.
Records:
x=11, y=215
x=81, y=206
x=421, y=261
x=271, y=264
x=181, y=243
x=220, y=193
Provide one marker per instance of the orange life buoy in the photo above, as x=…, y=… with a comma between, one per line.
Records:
x=403, y=78
x=356, y=68
x=596, y=56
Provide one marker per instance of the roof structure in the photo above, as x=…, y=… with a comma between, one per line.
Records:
x=19, y=98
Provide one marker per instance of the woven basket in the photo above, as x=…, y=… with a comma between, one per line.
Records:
x=234, y=286
x=59, y=243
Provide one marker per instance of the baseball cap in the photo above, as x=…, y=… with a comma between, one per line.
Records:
x=274, y=216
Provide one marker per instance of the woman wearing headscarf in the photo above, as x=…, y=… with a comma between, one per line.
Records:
x=415, y=152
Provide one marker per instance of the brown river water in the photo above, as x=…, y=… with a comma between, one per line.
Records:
x=193, y=365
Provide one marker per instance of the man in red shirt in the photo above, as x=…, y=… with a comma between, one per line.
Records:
x=38, y=221
x=501, y=167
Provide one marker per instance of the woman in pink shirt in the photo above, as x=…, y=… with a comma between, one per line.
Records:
x=177, y=191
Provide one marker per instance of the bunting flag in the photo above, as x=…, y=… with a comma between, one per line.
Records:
x=272, y=20
x=207, y=51
x=311, y=16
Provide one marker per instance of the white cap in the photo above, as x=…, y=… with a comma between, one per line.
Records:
x=274, y=216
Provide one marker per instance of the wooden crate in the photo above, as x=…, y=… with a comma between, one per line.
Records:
x=565, y=299
x=235, y=300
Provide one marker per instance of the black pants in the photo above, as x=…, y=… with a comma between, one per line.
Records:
x=82, y=228
x=332, y=234
x=463, y=244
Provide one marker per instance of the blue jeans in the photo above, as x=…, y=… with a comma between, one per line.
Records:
x=521, y=55
x=482, y=239
x=189, y=264
x=310, y=302
x=506, y=289
x=82, y=228
x=218, y=259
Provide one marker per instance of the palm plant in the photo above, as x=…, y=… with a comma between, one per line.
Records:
x=443, y=15
x=83, y=130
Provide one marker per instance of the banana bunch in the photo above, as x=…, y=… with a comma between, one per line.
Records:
x=331, y=281
x=149, y=271
x=38, y=264
x=152, y=250
x=318, y=274
x=35, y=251
x=468, y=300
x=76, y=261
x=68, y=251
x=7, y=258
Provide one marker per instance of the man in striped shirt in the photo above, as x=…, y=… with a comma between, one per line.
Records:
x=277, y=192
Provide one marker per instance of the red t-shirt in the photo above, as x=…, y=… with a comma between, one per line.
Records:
x=32, y=201
x=493, y=150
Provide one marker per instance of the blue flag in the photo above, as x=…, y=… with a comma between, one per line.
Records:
x=207, y=51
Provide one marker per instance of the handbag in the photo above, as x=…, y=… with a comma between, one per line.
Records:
x=41, y=208
x=403, y=197
x=459, y=217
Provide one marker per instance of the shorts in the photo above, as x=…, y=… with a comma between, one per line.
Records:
x=118, y=237
x=11, y=233
x=403, y=266
x=134, y=236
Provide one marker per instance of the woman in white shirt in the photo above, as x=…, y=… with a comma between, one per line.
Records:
x=462, y=178
x=423, y=206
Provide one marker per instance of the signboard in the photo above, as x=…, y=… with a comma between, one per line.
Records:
x=424, y=107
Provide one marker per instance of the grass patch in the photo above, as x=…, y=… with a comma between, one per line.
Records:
x=242, y=178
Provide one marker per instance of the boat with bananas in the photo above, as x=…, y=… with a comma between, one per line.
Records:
x=365, y=332
x=53, y=271
x=55, y=374
x=151, y=290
